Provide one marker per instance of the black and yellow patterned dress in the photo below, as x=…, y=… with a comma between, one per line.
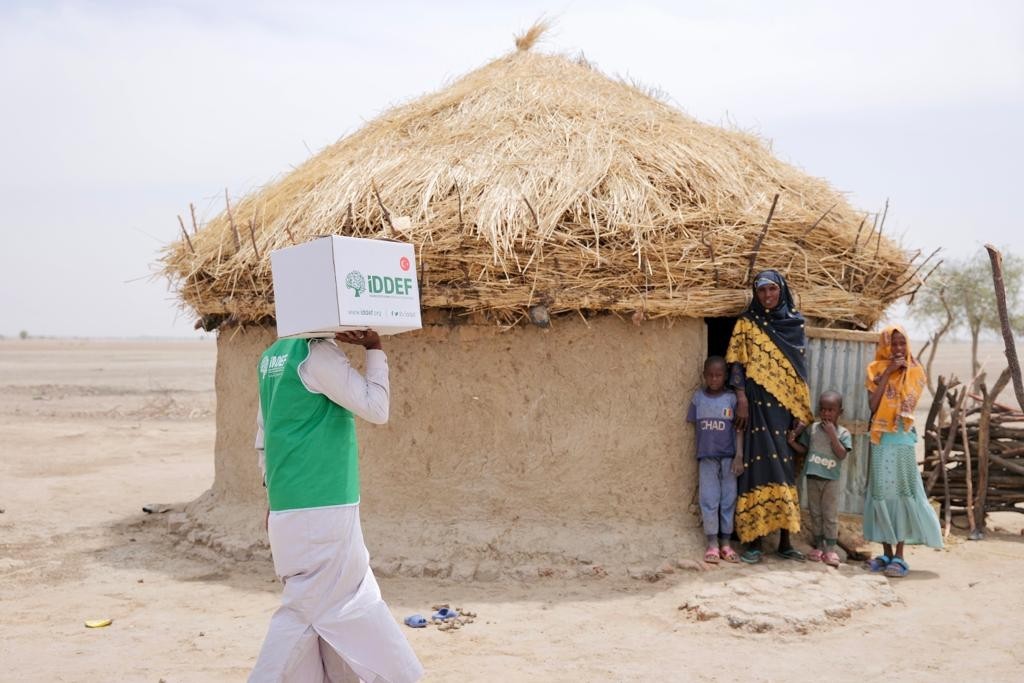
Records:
x=767, y=356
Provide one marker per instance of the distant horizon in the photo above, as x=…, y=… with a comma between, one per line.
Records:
x=209, y=336
x=990, y=338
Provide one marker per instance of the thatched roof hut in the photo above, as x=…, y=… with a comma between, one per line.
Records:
x=537, y=180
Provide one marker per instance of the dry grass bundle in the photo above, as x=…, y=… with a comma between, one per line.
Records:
x=538, y=180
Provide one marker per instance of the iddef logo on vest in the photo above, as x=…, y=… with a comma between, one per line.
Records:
x=273, y=365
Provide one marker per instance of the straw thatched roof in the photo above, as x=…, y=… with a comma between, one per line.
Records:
x=536, y=179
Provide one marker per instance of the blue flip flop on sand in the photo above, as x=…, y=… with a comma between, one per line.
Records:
x=415, y=621
x=444, y=614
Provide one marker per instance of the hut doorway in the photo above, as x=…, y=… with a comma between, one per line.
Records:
x=719, y=331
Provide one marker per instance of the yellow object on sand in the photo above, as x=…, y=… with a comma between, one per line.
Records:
x=98, y=623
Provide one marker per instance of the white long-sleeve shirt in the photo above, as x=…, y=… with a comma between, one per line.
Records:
x=328, y=371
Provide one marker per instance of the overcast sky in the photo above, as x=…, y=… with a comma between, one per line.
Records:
x=119, y=114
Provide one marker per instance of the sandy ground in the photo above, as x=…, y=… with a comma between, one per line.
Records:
x=92, y=431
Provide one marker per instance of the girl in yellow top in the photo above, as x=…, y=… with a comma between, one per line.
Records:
x=896, y=510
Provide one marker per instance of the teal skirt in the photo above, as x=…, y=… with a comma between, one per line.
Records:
x=896, y=509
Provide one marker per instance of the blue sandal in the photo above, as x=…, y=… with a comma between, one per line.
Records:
x=444, y=614
x=878, y=564
x=416, y=621
x=898, y=568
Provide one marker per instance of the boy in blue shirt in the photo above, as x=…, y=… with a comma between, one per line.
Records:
x=826, y=445
x=711, y=411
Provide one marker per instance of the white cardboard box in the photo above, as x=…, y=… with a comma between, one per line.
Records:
x=335, y=284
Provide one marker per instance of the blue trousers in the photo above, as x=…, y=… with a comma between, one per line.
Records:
x=717, y=495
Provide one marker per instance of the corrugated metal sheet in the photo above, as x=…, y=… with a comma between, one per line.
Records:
x=838, y=359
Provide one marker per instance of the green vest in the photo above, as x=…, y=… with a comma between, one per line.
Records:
x=309, y=441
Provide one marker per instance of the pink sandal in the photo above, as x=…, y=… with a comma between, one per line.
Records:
x=831, y=558
x=729, y=555
x=712, y=556
x=815, y=556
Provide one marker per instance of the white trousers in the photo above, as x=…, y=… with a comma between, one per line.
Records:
x=332, y=624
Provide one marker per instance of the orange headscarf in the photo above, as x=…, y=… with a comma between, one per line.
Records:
x=902, y=391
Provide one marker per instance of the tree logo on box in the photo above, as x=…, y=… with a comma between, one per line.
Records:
x=264, y=366
x=356, y=282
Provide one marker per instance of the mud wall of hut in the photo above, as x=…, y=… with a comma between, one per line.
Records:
x=547, y=445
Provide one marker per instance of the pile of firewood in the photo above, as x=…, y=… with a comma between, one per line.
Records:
x=975, y=463
x=978, y=458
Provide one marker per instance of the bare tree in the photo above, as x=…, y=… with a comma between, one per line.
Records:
x=932, y=345
x=962, y=291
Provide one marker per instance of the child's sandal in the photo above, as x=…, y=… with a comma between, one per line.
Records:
x=831, y=558
x=729, y=555
x=878, y=564
x=711, y=556
x=814, y=556
x=898, y=568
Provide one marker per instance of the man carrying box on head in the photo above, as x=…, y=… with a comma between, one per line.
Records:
x=332, y=621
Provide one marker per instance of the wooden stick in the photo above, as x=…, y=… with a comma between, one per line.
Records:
x=997, y=404
x=929, y=274
x=185, y=233
x=231, y=220
x=924, y=280
x=1007, y=464
x=859, y=228
x=349, y=220
x=881, y=226
x=933, y=478
x=252, y=234
x=290, y=235
x=760, y=238
x=195, y=223
x=808, y=231
x=983, y=442
x=387, y=214
x=936, y=336
x=536, y=221
x=711, y=252
x=944, y=456
x=929, y=429
x=1004, y=321
x=900, y=286
x=458, y=193
x=1010, y=453
x=969, y=477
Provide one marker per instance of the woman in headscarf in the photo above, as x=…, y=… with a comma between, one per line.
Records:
x=768, y=375
x=896, y=510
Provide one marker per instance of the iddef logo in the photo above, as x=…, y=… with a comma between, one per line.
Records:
x=382, y=284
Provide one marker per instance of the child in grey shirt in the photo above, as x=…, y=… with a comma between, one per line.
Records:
x=711, y=411
x=826, y=444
